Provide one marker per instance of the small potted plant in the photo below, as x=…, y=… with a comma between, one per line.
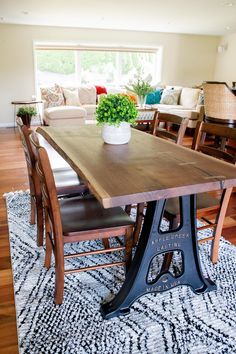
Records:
x=26, y=113
x=115, y=113
x=141, y=88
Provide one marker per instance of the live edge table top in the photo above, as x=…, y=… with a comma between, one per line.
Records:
x=146, y=169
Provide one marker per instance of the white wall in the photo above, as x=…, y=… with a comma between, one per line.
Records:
x=225, y=61
x=187, y=59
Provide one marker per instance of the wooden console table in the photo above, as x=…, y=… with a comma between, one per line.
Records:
x=147, y=169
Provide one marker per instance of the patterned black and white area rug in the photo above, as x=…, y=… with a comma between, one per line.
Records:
x=177, y=321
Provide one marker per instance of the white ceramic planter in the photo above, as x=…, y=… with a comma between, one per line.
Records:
x=116, y=135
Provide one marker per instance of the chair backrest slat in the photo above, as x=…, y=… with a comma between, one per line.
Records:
x=24, y=134
x=146, y=120
x=47, y=182
x=215, y=140
x=170, y=120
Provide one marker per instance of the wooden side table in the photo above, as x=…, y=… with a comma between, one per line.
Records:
x=29, y=102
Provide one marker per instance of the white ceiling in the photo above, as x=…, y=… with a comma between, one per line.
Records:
x=212, y=17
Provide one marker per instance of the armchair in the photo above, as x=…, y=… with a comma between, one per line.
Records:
x=220, y=103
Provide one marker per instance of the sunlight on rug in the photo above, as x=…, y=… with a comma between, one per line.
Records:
x=177, y=321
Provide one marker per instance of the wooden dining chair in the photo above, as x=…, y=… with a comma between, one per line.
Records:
x=146, y=119
x=170, y=127
x=214, y=140
x=77, y=219
x=67, y=181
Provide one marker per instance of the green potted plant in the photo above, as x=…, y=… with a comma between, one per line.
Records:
x=26, y=113
x=141, y=88
x=115, y=113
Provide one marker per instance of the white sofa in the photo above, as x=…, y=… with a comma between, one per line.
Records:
x=79, y=111
x=189, y=105
x=58, y=112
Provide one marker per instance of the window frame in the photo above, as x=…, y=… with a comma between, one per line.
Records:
x=158, y=51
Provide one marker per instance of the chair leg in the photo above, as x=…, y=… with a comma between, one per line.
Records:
x=128, y=209
x=128, y=247
x=32, y=210
x=169, y=255
x=48, y=253
x=220, y=221
x=59, y=279
x=106, y=243
x=59, y=287
x=40, y=222
x=166, y=262
x=138, y=223
x=215, y=245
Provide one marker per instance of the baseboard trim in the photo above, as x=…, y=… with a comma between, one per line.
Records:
x=11, y=125
x=6, y=125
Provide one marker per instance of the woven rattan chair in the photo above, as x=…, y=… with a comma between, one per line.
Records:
x=220, y=103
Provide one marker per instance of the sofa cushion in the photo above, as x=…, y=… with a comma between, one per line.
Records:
x=170, y=96
x=154, y=97
x=63, y=112
x=87, y=94
x=52, y=96
x=71, y=97
x=167, y=107
x=185, y=113
x=189, y=97
x=90, y=109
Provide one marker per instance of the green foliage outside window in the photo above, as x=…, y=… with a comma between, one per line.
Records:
x=100, y=66
x=56, y=61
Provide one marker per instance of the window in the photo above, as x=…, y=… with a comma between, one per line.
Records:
x=72, y=66
x=55, y=66
x=97, y=67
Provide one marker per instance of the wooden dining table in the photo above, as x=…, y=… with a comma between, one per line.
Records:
x=152, y=170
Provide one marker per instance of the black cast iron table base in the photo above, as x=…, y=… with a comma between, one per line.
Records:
x=153, y=242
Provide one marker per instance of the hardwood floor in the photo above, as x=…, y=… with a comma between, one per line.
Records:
x=13, y=176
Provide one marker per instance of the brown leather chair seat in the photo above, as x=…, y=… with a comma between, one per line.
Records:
x=91, y=215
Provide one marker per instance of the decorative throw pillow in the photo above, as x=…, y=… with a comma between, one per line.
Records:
x=170, y=96
x=71, y=97
x=132, y=96
x=101, y=89
x=87, y=94
x=154, y=97
x=189, y=97
x=53, y=96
